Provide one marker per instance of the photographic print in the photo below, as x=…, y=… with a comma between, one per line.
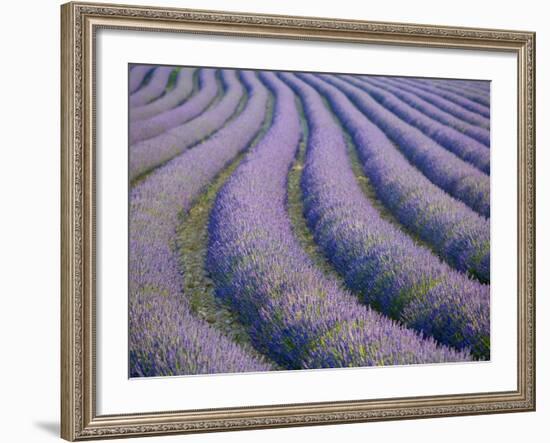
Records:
x=301, y=220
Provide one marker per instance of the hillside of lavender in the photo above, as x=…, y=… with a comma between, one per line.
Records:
x=289, y=220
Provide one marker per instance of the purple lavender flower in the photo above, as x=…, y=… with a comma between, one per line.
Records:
x=179, y=115
x=456, y=232
x=463, y=90
x=460, y=179
x=137, y=75
x=461, y=145
x=451, y=96
x=148, y=154
x=153, y=89
x=377, y=261
x=440, y=102
x=182, y=90
x=165, y=338
x=481, y=135
x=480, y=87
x=293, y=313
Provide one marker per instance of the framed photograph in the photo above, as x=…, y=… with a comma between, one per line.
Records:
x=281, y=221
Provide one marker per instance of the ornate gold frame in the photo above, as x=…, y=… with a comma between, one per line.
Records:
x=79, y=21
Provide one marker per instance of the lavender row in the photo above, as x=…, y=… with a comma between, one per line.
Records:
x=380, y=263
x=473, y=86
x=457, y=233
x=460, y=179
x=482, y=85
x=153, y=89
x=441, y=103
x=181, y=91
x=136, y=76
x=294, y=314
x=481, y=135
x=165, y=339
x=186, y=111
x=148, y=154
x=475, y=96
x=451, y=96
x=461, y=145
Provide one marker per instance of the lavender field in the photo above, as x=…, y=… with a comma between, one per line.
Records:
x=284, y=220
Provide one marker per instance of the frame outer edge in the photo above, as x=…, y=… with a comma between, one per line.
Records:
x=68, y=424
x=78, y=418
x=534, y=166
x=531, y=199
x=527, y=221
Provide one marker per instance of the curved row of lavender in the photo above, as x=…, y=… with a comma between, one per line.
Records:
x=473, y=86
x=441, y=103
x=153, y=89
x=460, y=179
x=475, y=96
x=181, y=91
x=165, y=338
x=188, y=110
x=148, y=154
x=482, y=85
x=451, y=96
x=136, y=76
x=458, y=234
x=481, y=135
x=458, y=143
x=377, y=261
x=294, y=314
